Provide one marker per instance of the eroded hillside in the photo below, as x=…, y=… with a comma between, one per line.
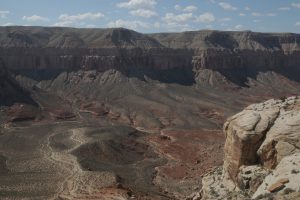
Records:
x=141, y=111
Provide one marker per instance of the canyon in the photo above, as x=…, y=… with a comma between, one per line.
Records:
x=117, y=114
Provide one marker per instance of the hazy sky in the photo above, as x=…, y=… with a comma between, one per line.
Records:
x=156, y=15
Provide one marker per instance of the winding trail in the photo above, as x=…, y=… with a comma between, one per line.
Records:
x=78, y=184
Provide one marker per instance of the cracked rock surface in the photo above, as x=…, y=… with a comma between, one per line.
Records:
x=262, y=154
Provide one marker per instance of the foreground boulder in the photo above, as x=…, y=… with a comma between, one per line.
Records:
x=262, y=154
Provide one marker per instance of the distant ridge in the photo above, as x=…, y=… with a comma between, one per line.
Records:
x=59, y=37
x=183, y=57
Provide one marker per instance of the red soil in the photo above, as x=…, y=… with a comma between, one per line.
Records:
x=190, y=152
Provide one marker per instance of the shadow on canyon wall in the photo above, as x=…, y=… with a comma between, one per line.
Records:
x=182, y=76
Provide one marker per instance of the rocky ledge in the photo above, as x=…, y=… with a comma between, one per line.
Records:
x=262, y=154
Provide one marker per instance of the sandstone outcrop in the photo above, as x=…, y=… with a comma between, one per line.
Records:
x=262, y=154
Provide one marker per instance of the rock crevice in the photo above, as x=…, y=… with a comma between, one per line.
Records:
x=261, y=154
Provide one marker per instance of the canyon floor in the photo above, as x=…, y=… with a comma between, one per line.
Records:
x=85, y=156
x=76, y=159
x=149, y=140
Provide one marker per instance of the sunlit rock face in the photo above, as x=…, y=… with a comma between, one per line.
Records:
x=262, y=156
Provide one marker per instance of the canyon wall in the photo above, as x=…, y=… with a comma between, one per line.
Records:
x=31, y=50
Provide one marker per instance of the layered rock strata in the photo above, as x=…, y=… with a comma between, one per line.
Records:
x=262, y=154
x=40, y=52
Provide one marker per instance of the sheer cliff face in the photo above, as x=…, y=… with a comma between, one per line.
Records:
x=34, y=48
x=67, y=49
x=239, y=54
x=262, y=155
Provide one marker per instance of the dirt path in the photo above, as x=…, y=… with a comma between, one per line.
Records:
x=78, y=183
x=68, y=162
